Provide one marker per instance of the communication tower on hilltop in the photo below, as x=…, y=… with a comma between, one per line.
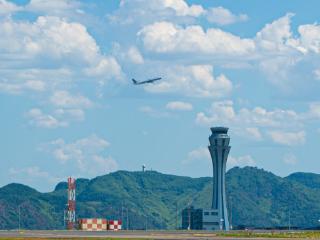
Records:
x=70, y=216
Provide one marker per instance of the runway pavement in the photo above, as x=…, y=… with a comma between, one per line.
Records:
x=120, y=234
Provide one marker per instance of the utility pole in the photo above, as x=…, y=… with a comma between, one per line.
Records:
x=231, y=213
x=289, y=220
x=189, y=217
x=127, y=219
x=19, y=215
x=176, y=215
x=122, y=212
x=146, y=222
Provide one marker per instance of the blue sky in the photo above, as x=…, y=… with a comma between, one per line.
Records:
x=68, y=107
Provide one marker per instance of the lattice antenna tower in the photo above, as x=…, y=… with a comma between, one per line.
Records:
x=71, y=205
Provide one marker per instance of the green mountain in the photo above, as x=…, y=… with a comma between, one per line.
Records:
x=256, y=198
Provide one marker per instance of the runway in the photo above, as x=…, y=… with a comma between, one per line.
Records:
x=167, y=235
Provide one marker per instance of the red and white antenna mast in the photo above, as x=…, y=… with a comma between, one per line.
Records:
x=71, y=206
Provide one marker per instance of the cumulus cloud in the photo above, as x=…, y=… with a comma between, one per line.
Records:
x=194, y=80
x=50, y=7
x=141, y=12
x=183, y=9
x=223, y=16
x=282, y=126
x=290, y=159
x=129, y=54
x=223, y=112
x=153, y=112
x=67, y=48
x=6, y=7
x=32, y=175
x=166, y=37
x=309, y=40
x=276, y=35
x=179, y=106
x=65, y=99
x=135, y=56
x=242, y=161
x=203, y=154
x=87, y=154
x=254, y=133
x=40, y=119
x=274, y=50
x=58, y=118
x=288, y=138
x=19, y=87
x=199, y=153
x=317, y=74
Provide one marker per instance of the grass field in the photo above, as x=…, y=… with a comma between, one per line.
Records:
x=198, y=235
x=273, y=234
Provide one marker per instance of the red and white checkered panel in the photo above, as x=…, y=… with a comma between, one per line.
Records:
x=114, y=225
x=93, y=224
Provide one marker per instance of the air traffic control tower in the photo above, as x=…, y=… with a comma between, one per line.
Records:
x=219, y=149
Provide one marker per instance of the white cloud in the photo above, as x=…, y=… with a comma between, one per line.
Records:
x=283, y=126
x=154, y=112
x=6, y=7
x=241, y=161
x=73, y=114
x=223, y=16
x=16, y=88
x=106, y=67
x=52, y=7
x=141, y=12
x=199, y=153
x=129, y=54
x=203, y=154
x=275, y=36
x=180, y=106
x=314, y=110
x=182, y=9
x=32, y=175
x=70, y=52
x=39, y=119
x=288, y=138
x=195, y=81
x=223, y=112
x=290, y=159
x=309, y=40
x=165, y=37
x=66, y=100
x=317, y=74
x=86, y=154
x=253, y=133
x=135, y=56
x=58, y=118
x=274, y=49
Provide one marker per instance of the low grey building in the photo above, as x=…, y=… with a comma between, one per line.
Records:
x=192, y=218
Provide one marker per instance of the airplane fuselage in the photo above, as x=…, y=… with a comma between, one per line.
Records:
x=147, y=81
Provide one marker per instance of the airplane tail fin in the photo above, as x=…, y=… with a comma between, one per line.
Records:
x=134, y=81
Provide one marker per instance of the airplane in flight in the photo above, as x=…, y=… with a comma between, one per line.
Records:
x=135, y=82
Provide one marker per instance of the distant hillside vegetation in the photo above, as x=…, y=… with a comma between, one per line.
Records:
x=256, y=198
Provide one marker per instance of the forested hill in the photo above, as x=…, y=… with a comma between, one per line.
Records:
x=256, y=198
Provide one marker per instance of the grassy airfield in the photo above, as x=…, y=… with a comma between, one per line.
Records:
x=175, y=235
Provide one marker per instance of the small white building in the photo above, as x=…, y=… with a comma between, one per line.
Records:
x=211, y=220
